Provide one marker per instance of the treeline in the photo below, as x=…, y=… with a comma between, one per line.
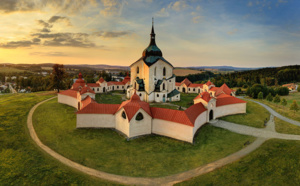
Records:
x=197, y=78
x=258, y=90
x=266, y=76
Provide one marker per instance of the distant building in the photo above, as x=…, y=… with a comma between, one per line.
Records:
x=290, y=86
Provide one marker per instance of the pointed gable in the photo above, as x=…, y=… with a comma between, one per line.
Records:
x=223, y=89
x=132, y=106
x=186, y=81
x=205, y=96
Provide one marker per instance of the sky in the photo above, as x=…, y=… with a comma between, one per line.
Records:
x=241, y=33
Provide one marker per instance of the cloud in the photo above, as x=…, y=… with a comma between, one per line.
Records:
x=162, y=13
x=48, y=54
x=197, y=19
x=66, y=39
x=17, y=44
x=232, y=31
x=54, y=19
x=250, y=3
x=69, y=6
x=178, y=5
x=110, y=34
x=282, y=1
x=112, y=7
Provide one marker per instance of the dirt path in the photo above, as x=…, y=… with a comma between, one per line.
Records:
x=168, y=180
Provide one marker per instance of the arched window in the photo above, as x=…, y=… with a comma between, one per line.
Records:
x=137, y=70
x=193, y=89
x=124, y=115
x=164, y=87
x=139, y=117
x=164, y=71
x=140, y=94
x=155, y=71
x=157, y=95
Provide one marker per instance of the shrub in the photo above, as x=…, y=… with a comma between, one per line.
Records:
x=269, y=97
x=276, y=99
x=283, y=102
x=260, y=95
x=294, y=106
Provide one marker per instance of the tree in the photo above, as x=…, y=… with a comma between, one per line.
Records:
x=238, y=91
x=294, y=106
x=298, y=88
x=269, y=97
x=58, y=75
x=283, y=102
x=276, y=99
x=260, y=95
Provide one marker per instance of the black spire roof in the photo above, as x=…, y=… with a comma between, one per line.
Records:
x=152, y=53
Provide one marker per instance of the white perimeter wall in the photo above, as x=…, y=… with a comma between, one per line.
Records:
x=68, y=100
x=200, y=120
x=95, y=121
x=122, y=124
x=173, y=130
x=238, y=108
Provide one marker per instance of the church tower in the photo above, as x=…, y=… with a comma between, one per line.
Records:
x=152, y=76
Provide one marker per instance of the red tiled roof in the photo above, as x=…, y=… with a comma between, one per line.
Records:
x=126, y=79
x=204, y=95
x=186, y=117
x=224, y=89
x=177, y=84
x=225, y=99
x=109, y=83
x=86, y=89
x=93, y=84
x=209, y=83
x=87, y=100
x=96, y=108
x=70, y=92
x=214, y=88
x=196, y=85
x=133, y=105
x=101, y=80
x=115, y=83
x=186, y=81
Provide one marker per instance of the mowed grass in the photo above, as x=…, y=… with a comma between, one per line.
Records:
x=285, y=127
x=255, y=116
x=160, y=105
x=148, y=156
x=285, y=111
x=186, y=100
x=21, y=161
x=276, y=162
x=10, y=70
x=108, y=98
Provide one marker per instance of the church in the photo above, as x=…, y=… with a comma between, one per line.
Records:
x=152, y=80
x=152, y=76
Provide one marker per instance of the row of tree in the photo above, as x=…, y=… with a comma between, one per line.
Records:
x=265, y=90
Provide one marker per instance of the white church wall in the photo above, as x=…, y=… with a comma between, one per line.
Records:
x=95, y=121
x=142, y=127
x=173, y=130
x=68, y=100
x=238, y=108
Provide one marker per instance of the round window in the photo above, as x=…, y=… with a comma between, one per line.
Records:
x=139, y=117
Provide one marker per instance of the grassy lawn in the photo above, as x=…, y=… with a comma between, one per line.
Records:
x=151, y=156
x=285, y=127
x=21, y=161
x=186, y=100
x=10, y=70
x=108, y=98
x=285, y=111
x=255, y=117
x=276, y=162
x=164, y=106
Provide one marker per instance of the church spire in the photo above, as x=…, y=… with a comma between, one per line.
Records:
x=152, y=38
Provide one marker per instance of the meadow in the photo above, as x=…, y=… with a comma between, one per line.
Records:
x=21, y=161
x=10, y=70
x=150, y=156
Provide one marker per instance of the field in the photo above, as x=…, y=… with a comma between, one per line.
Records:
x=21, y=161
x=186, y=100
x=150, y=156
x=185, y=72
x=276, y=162
x=108, y=98
x=9, y=70
x=255, y=117
x=285, y=111
x=285, y=127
